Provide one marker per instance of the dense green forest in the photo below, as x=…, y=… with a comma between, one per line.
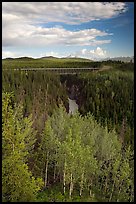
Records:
x=50, y=155
x=109, y=96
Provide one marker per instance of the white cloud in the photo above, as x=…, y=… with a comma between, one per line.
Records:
x=51, y=53
x=22, y=24
x=6, y=54
x=12, y=54
x=97, y=53
x=83, y=51
x=25, y=35
x=67, y=12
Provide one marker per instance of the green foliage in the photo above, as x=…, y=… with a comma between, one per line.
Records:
x=49, y=155
x=85, y=158
x=109, y=96
x=38, y=92
x=18, y=184
x=92, y=155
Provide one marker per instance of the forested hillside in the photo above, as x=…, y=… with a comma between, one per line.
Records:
x=50, y=155
x=38, y=92
x=109, y=96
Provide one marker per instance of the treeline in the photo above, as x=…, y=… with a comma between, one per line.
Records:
x=83, y=160
x=119, y=65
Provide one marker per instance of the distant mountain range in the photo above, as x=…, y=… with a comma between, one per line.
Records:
x=67, y=58
x=50, y=58
x=18, y=58
x=123, y=59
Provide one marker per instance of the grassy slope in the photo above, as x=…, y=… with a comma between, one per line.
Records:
x=46, y=62
x=52, y=62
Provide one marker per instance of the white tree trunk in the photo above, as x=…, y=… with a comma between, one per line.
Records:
x=81, y=183
x=90, y=187
x=13, y=147
x=64, y=178
x=64, y=182
x=71, y=186
x=90, y=192
x=46, y=169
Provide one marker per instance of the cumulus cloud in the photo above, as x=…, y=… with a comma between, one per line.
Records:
x=97, y=53
x=17, y=34
x=23, y=24
x=66, y=12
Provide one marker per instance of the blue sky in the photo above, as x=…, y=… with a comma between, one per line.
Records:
x=93, y=30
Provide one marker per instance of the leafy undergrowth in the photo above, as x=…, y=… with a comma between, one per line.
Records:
x=55, y=194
